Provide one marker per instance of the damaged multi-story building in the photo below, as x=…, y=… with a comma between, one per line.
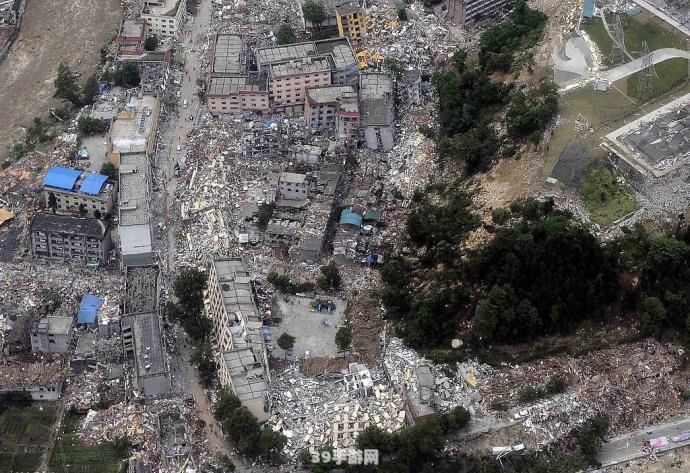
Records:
x=377, y=110
x=334, y=108
x=231, y=88
x=293, y=68
x=164, y=17
x=240, y=349
x=52, y=334
x=466, y=12
x=42, y=381
x=68, y=238
x=344, y=17
x=141, y=331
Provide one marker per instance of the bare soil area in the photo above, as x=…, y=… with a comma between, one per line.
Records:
x=72, y=31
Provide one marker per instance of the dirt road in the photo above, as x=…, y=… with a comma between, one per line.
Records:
x=72, y=31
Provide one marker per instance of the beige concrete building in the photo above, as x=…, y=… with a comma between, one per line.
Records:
x=351, y=21
x=164, y=17
x=234, y=94
x=288, y=81
x=333, y=108
x=239, y=343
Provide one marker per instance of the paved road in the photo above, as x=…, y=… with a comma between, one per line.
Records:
x=660, y=55
x=628, y=447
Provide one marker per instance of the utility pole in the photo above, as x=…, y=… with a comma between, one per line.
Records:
x=645, y=83
x=618, y=51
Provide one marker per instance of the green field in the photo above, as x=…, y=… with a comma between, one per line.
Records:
x=72, y=455
x=643, y=27
x=24, y=434
x=605, y=199
x=670, y=73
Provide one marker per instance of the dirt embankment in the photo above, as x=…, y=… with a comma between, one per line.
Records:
x=52, y=31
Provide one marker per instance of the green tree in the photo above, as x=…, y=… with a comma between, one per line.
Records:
x=556, y=385
x=65, y=83
x=271, y=445
x=226, y=463
x=375, y=438
x=653, y=318
x=89, y=91
x=226, y=403
x=151, y=43
x=314, y=12
x=330, y=277
x=592, y=433
x=286, y=342
x=188, y=287
x=127, y=75
x=456, y=419
x=420, y=443
x=90, y=126
x=286, y=35
x=108, y=169
x=202, y=358
x=343, y=338
x=395, y=66
x=266, y=210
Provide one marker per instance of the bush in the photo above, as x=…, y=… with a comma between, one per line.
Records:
x=531, y=394
x=91, y=126
x=500, y=216
x=556, y=385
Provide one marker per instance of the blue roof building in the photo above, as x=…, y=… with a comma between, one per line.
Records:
x=88, y=309
x=61, y=178
x=79, y=191
x=93, y=183
x=588, y=9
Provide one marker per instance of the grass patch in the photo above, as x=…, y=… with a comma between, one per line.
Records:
x=24, y=434
x=72, y=455
x=605, y=199
x=638, y=29
x=671, y=73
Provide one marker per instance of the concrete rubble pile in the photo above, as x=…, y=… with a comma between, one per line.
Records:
x=330, y=410
x=634, y=384
x=450, y=391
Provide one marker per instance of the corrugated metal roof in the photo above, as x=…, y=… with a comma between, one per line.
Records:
x=350, y=218
x=93, y=183
x=61, y=178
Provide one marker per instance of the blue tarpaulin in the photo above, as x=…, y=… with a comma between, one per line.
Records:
x=588, y=9
x=88, y=308
x=61, y=178
x=93, y=183
x=350, y=218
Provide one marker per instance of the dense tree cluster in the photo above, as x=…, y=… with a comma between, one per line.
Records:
x=498, y=44
x=242, y=428
x=286, y=35
x=68, y=89
x=189, y=288
x=90, y=126
x=329, y=278
x=285, y=285
x=530, y=112
x=202, y=359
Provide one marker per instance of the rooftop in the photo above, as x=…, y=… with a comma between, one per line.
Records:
x=234, y=281
x=228, y=85
x=341, y=51
x=375, y=96
x=18, y=375
x=305, y=65
x=61, y=178
x=292, y=177
x=134, y=189
x=89, y=227
x=228, y=55
x=149, y=353
x=163, y=7
x=274, y=54
x=325, y=95
x=135, y=239
x=132, y=29
x=134, y=126
x=56, y=325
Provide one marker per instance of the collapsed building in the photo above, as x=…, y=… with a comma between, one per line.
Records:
x=43, y=381
x=467, y=12
x=377, y=109
x=141, y=331
x=241, y=351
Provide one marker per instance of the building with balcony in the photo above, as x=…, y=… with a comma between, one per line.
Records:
x=69, y=238
x=164, y=17
x=79, y=192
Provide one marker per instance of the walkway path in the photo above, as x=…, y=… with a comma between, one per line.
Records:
x=660, y=55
